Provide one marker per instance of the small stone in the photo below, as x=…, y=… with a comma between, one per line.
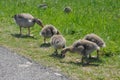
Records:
x=67, y=9
x=43, y=6
x=25, y=65
x=58, y=74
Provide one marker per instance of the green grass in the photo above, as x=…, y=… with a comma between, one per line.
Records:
x=101, y=17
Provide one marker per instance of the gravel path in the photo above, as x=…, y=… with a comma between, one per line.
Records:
x=15, y=67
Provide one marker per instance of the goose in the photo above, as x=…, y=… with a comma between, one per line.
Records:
x=96, y=39
x=26, y=20
x=83, y=47
x=48, y=31
x=58, y=42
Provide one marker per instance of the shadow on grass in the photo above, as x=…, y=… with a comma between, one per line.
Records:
x=22, y=36
x=58, y=56
x=108, y=54
x=45, y=45
x=92, y=62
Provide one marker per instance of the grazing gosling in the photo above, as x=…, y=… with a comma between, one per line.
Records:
x=83, y=47
x=26, y=20
x=58, y=42
x=48, y=31
x=96, y=39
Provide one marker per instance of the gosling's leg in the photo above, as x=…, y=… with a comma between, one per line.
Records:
x=55, y=52
x=90, y=56
x=97, y=54
x=82, y=60
x=20, y=30
x=28, y=31
x=87, y=62
x=44, y=40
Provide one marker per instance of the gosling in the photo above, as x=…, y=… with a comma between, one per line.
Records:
x=96, y=39
x=26, y=20
x=48, y=31
x=58, y=42
x=83, y=47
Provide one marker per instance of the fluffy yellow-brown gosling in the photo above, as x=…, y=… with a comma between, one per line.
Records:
x=83, y=47
x=26, y=20
x=48, y=31
x=96, y=39
x=58, y=42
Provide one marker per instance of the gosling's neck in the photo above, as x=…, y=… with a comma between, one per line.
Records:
x=69, y=49
x=39, y=22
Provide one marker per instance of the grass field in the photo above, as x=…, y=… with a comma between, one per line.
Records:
x=101, y=17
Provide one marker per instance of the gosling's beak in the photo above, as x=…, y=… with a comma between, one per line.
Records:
x=42, y=25
x=62, y=56
x=13, y=16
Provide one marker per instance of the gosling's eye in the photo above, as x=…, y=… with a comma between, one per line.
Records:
x=100, y=43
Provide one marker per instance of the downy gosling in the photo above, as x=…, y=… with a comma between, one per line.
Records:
x=48, y=31
x=25, y=20
x=58, y=42
x=96, y=39
x=83, y=47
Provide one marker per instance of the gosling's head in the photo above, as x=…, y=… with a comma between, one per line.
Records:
x=39, y=22
x=57, y=32
x=101, y=44
x=63, y=52
x=14, y=17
